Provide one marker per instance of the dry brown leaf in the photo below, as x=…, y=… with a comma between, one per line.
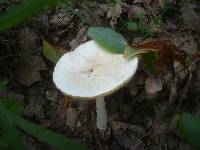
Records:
x=28, y=42
x=72, y=116
x=61, y=18
x=80, y=38
x=114, y=13
x=28, y=72
x=35, y=102
x=186, y=43
x=153, y=85
x=132, y=86
x=98, y=13
x=117, y=125
x=191, y=15
x=167, y=52
x=135, y=10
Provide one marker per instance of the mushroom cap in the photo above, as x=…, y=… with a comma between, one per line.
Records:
x=90, y=71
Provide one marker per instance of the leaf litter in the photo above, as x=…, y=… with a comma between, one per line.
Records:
x=139, y=118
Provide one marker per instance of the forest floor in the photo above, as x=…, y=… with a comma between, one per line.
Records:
x=139, y=113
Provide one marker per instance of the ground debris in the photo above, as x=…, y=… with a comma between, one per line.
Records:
x=153, y=85
x=28, y=72
x=36, y=102
x=114, y=13
x=139, y=112
x=61, y=18
x=191, y=15
x=80, y=38
x=28, y=43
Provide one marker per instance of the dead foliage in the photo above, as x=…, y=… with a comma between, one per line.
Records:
x=167, y=54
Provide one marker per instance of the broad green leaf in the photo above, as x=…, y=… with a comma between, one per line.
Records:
x=9, y=130
x=189, y=126
x=50, y=52
x=23, y=11
x=109, y=39
x=46, y=135
x=149, y=61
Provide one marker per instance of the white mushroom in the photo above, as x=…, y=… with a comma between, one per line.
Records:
x=91, y=72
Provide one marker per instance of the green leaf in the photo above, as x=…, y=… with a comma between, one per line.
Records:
x=3, y=85
x=4, y=143
x=3, y=1
x=141, y=13
x=24, y=11
x=132, y=26
x=12, y=105
x=9, y=130
x=46, y=135
x=129, y=52
x=149, y=61
x=108, y=39
x=189, y=126
x=50, y=52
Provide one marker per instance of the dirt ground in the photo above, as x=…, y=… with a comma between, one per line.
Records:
x=139, y=113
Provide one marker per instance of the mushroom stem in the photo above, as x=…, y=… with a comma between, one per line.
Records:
x=101, y=113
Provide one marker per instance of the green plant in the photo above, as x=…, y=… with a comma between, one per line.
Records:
x=50, y=52
x=189, y=126
x=109, y=39
x=115, y=43
x=24, y=11
x=11, y=137
x=138, y=25
x=3, y=1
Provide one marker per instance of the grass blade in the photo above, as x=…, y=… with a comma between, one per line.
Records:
x=46, y=135
x=24, y=11
x=9, y=130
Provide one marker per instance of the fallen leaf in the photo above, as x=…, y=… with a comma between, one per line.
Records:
x=98, y=13
x=114, y=13
x=51, y=95
x=51, y=52
x=72, y=116
x=35, y=102
x=132, y=86
x=80, y=38
x=138, y=145
x=135, y=10
x=28, y=72
x=167, y=53
x=186, y=43
x=191, y=15
x=28, y=43
x=119, y=125
x=153, y=85
x=160, y=121
x=61, y=18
